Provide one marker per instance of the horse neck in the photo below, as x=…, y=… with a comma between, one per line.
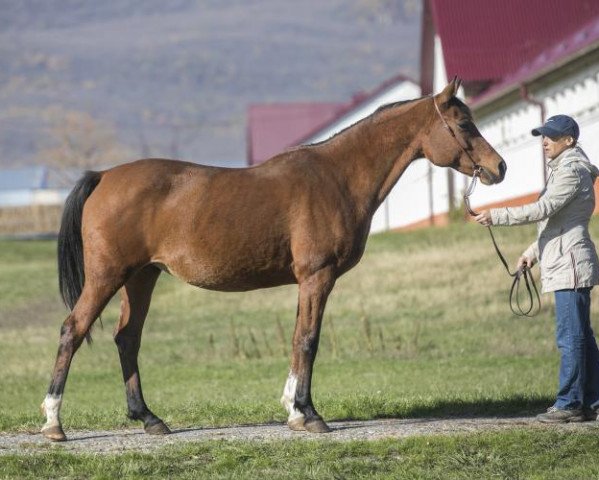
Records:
x=373, y=154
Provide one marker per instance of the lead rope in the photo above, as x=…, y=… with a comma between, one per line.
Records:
x=523, y=272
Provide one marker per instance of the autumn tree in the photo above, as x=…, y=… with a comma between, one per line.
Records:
x=78, y=141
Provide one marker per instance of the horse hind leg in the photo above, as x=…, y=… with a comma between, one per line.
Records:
x=92, y=301
x=297, y=397
x=135, y=302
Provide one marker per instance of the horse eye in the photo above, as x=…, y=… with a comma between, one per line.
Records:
x=465, y=125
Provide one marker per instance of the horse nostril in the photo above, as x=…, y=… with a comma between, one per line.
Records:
x=502, y=168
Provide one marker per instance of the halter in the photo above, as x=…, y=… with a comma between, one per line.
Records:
x=522, y=272
x=476, y=167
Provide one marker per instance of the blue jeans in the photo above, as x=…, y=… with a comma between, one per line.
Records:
x=579, y=365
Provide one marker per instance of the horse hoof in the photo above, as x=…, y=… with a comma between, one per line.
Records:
x=54, y=433
x=157, y=429
x=297, y=424
x=316, y=425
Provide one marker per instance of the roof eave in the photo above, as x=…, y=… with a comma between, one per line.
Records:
x=491, y=97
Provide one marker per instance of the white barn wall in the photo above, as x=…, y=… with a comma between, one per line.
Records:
x=408, y=201
x=440, y=194
x=579, y=97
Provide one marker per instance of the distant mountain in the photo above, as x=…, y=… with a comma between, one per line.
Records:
x=174, y=78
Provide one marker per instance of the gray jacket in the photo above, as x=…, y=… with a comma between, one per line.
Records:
x=564, y=247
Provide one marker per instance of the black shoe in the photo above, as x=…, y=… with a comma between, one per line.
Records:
x=590, y=414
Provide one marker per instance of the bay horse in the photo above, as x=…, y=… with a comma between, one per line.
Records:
x=301, y=217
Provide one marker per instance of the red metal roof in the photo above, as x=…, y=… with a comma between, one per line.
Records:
x=488, y=39
x=274, y=127
x=548, y=59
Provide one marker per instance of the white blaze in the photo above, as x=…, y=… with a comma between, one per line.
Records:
x=288, y=398
x=51, y=407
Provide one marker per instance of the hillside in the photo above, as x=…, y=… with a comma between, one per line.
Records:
x=175, y=78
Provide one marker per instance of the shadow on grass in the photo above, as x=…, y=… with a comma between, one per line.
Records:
x=517, y=406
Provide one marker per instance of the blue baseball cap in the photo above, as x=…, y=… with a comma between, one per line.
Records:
x=558, y=126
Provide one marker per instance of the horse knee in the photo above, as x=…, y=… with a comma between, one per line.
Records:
x=309, y=343
x=306, y=344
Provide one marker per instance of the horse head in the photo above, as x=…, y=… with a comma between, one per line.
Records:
x=454, y=141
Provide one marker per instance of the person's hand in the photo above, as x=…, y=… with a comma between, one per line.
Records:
x=524, y=261
x=484, y=218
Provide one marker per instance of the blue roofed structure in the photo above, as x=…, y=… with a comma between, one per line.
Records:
x=23, y=178
x=35, y=185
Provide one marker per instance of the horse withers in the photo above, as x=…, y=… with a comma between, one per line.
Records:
x=301, y=217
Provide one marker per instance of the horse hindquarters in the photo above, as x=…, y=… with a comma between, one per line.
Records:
x=135, y=302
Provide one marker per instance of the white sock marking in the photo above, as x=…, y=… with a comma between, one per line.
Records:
x=51, y=408
x=288, y=398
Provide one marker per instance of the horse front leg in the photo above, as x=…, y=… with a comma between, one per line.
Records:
x=297, y=398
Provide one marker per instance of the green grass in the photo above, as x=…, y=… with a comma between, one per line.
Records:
x=508, y=455
x=421, y=327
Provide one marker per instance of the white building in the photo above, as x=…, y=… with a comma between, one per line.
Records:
x=521, y=63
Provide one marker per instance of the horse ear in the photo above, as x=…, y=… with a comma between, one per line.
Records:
x=458, y=83
x=449, y=91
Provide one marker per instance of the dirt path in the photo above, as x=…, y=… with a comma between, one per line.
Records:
x=118, y=441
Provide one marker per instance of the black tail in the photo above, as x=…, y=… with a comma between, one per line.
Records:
x=71, y=275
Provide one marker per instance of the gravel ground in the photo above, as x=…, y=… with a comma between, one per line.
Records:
x=118, y=441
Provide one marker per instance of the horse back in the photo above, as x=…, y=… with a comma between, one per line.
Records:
x=218, y=228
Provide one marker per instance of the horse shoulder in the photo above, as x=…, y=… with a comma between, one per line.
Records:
x=326, y=227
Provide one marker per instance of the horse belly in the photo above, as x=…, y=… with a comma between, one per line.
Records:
x=229, y=271
x=243, y=283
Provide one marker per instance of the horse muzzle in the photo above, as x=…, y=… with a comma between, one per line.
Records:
x=489, y=177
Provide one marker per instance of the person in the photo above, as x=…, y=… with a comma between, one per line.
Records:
x=568, y=262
